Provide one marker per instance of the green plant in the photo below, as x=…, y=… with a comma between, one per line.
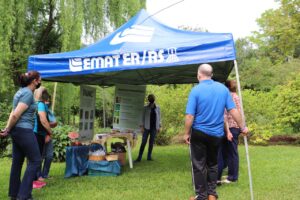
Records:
x=165, y=136
x=261, y=134
x=61, y=141
x=5, y=109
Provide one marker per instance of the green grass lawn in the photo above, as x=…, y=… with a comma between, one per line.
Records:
x=275, y=170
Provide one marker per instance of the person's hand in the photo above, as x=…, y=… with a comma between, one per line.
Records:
x=142, y=129
x=47, y=138
x=4, y=133
x=229, y=136
x=186, y=138
x=245, y=131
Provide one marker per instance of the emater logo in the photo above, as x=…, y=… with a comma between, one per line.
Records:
x=135, y=33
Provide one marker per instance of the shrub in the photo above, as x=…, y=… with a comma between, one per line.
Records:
x=5, y=109
x=261, y=134
x=61, y=141
x=165, y=136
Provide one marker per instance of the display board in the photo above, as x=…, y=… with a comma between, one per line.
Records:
x=87, y=112
x=128, y=107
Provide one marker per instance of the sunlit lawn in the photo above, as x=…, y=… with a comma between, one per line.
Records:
x=275, y=170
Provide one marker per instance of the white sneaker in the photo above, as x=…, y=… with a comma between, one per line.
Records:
x=226, y=181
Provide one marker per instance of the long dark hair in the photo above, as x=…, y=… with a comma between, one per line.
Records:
x=27, y=78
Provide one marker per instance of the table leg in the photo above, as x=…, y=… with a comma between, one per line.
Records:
x=129, y=154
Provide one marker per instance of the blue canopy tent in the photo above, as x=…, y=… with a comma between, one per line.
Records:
x=142, y=51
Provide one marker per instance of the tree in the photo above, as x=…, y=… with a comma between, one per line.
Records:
x=279, y=34
x=289, y=104
x=44, y=26
x=48, y=26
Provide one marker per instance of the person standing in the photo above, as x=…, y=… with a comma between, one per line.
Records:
x=204, y=128
x=151, y=125
x=24, y=143
x=48, y=149
x=228, y=154
x=42, y=127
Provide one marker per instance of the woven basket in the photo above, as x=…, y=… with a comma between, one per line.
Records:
x=96, y=158
x=111, y=157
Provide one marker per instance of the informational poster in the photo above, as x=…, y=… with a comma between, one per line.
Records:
x=128, y=107
x=87, y=112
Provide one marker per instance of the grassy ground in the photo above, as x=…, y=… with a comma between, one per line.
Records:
x=275, y=170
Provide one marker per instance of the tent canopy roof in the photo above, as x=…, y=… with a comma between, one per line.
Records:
x=142, y=51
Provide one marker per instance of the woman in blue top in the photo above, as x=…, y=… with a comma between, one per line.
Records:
x=20, y=127
x=42, y=127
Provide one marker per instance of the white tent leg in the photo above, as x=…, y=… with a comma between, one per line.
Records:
x=54, y=97
x=129, y=154
x=103, y=104
x=245, y=138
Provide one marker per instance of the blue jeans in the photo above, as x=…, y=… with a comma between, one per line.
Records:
x=146, y=133
x=47, y=157
x=222, y=157
x=24, y=144
x=233, y=155
x=229, y=156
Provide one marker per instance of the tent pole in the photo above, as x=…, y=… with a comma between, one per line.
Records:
x=103, y=105
x=245, y=137
x=54, y=97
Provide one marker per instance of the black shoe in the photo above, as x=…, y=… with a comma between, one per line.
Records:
x=137, y=160
x=150, y=159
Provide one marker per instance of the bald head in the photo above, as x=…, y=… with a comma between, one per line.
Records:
x=205, y=71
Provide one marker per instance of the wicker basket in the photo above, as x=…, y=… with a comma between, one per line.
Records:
x=111, y=157
x=96, y=158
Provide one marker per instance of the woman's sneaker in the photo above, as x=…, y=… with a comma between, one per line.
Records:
x=38, y=184
x=226, y=181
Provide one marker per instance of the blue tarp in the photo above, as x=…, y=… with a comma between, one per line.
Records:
x=142, y=51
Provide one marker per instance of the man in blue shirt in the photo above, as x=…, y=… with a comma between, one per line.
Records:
x=204, y=128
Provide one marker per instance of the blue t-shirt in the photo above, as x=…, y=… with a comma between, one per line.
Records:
x=41, y=107
x=207, y=102
x=25, y=95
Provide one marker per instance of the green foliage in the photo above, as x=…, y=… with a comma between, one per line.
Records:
x=5, y=110
x=61, y=141
x=172, y=100
x=279, y=35
x=259, y=113
x=48, y=26
x=289, y=105
x=165, y=136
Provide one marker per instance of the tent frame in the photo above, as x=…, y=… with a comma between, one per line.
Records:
x=244, y=120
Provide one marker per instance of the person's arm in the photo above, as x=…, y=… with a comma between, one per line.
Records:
x=15, y=115
x=238, y=119
x=189, y=119
x=227, y=130
x=189, y=116
x=159, y=116
x=143, y=121
x=44, y=121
